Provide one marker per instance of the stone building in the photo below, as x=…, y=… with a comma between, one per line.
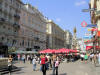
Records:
x=55, y=36
x=68, y=39
x=95, y=17
x=33, y=29
x=9, y=22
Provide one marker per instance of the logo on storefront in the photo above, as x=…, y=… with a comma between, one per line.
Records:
x=84, y=24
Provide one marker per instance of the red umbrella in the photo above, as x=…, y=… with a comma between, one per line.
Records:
x=47, y=51
x=63, y=50
x=73, y=51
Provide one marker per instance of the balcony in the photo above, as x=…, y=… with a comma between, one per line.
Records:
x=16, y=25
x=36, y=38
x=0, y=8
x=2, y=20
x=17, y=16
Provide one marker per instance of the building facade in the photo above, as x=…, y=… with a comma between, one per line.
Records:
x=9, y=22
x=33, y=29
x=95, y=18
x=68, y=39
x=55, y=36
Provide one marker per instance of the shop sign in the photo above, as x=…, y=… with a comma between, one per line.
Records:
x=91, y=25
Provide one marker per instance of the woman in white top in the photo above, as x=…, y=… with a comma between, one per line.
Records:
x=56, y=65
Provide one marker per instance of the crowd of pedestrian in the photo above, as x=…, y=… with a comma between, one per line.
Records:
x=52, y=61
x=46, y=61
x=93, y=57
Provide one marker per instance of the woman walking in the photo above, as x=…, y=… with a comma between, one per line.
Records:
x=43, y=64
x=56, y=65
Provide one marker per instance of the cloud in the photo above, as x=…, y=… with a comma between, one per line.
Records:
x=80, y=3
x=58, y=19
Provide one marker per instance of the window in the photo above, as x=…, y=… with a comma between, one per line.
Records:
x=2, y=38
x=28, y=43
x=6, y=5
x=15, y=31
x=0, y=4
x=23, y=43
x=7, y=40
x=4, y=27
x=8, y=28
x=14, y=42
x=11, y=1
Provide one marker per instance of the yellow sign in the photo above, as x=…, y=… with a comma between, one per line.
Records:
x=89, y=29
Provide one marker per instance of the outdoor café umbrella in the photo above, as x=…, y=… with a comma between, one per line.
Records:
x=63, y=50
x=46, y=51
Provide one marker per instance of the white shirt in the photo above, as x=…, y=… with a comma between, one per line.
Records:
x=34, y=61
x=82, y=55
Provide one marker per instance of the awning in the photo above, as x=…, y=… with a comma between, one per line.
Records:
x=25, y=52
x=89, y=47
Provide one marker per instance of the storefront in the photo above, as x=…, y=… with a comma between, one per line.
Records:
x=3, y=50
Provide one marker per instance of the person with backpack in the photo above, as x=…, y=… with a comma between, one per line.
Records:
x=43, y=64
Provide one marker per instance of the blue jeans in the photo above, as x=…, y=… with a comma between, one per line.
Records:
x=99, y=60
x=34, y=67
x=53, y=70
x=41, y=68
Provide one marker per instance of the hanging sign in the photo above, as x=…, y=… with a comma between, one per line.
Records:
x=84, y=24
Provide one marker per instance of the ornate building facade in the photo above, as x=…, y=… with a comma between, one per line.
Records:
x=33, y=29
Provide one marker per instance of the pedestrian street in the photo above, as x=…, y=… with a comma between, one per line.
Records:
x=72, y=68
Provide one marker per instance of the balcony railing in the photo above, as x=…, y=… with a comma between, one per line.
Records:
x=17, y=16
x=2, y=19
x=36, y=38
x=0, y=8
x=16, y=25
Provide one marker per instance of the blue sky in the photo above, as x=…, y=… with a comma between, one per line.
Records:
x=66, y=13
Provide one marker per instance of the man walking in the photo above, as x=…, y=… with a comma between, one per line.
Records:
x=34, y=64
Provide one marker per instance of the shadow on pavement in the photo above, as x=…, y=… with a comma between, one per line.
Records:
x=64, y=74
x=61, y=74
x=19, y=72
x=97, y=66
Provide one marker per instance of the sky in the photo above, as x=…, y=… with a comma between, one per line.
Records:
x=65, y=13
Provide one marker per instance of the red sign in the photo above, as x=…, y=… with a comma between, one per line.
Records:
x=98, y=33
x=88, y=47
x=84, y=24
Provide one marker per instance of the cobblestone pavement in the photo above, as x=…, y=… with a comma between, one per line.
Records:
x=72, y=68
